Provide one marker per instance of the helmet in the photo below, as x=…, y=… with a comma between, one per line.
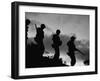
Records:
x=43, y=26
x=58, y=31
x=73, y=37
x=28, y=21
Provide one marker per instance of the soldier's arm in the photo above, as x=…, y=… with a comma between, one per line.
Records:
x=53, y=37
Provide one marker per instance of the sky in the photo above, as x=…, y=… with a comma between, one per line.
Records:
x=69, y=24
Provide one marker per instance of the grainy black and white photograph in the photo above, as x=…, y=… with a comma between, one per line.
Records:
x=54, y=40
x=51, y=40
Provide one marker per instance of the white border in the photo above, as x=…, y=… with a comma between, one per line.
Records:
x=53, y=70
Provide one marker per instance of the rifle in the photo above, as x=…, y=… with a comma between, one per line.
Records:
x=36, y=27
x=80, y=51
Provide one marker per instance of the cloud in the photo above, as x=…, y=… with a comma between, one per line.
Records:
x=67, y=23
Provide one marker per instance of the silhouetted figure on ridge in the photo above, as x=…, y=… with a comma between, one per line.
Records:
x=27, y=22
x=56, y=43
x=39, y=38
x=28, y=46
x=71, y=50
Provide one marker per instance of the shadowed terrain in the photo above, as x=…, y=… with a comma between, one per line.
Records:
x=33, y=58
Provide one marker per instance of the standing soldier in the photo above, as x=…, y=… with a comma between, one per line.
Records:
x=39, y=38
x=71, y=50
x=56, y=43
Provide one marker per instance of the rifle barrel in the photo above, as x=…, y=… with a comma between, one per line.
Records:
x=80, y=52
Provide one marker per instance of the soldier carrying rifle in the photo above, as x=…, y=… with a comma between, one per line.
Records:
x=71, y=50
x=56, y=44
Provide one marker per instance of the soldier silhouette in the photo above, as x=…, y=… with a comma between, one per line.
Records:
x=39, y=38
x=39, y=33
x=56, y=43
x=71, y=50
x=27, y=22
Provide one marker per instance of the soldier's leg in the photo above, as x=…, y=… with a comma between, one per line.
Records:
x=56, y=56
x=58, y=53
x=73, y=60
